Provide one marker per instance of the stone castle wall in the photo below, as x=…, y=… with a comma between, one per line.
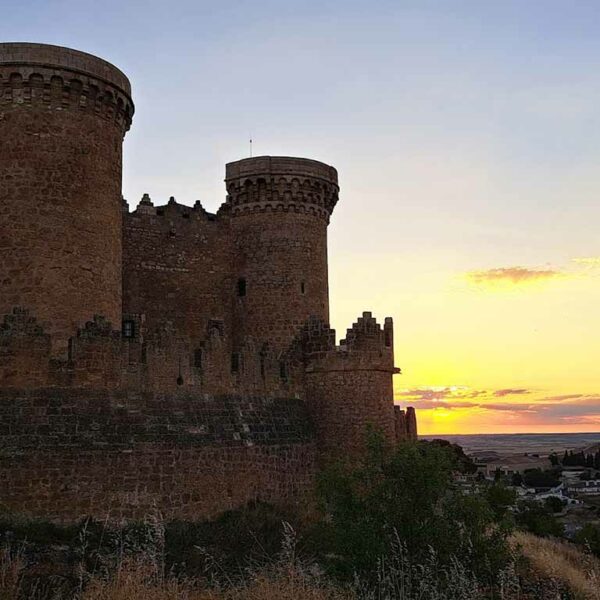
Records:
x=177, y=267
x=72, y=453
x=165, y=358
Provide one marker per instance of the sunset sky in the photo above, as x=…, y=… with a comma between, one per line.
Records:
x=467, y=140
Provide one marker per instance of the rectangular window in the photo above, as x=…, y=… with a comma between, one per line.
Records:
x=128, y=329
x=241, y=287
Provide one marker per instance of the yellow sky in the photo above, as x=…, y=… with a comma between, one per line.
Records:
x=498, y=350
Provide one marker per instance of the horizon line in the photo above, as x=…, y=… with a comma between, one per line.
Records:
x=517, y=433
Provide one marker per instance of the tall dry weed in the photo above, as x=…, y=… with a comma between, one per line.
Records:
x=287, y=578
x=563, y=562
x=11, y=567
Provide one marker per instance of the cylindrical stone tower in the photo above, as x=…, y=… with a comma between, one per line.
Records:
x=280, y=209
x=63, y=115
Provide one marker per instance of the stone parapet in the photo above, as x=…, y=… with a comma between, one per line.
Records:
x=64, y=79
x=281, y=183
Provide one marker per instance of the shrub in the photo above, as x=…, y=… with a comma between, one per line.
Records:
x=406, y=494
x=553, y=504
x=589, y=536
x=538, y=519
x=500, y=498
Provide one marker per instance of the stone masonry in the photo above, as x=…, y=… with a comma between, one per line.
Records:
x=165, y=358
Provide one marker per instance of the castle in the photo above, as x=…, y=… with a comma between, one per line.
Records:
x=166, y=357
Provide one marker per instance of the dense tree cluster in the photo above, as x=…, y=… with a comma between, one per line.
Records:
x=536, y=478
x=578, y=459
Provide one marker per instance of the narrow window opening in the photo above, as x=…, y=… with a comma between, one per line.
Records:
x=388, y=339
x=302, y=288
x=235, y=362
x=198, y=358
x=283, y=373
x=262, y=365
x=128, y=329
x=180, y=380
x=70, y=350
x=241, y=287
x=144, y=353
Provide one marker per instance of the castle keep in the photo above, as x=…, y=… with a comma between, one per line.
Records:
x=165, y=357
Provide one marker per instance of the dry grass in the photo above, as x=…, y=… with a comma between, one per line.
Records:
x=287, y=579
x=139, y=582
x=563, y=562
x=10, y=571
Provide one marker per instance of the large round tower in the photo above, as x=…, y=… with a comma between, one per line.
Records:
x=63, y=115
x=280, y=209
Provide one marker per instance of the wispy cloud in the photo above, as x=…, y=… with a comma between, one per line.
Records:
x=513, y=276
x=440, y=393
x=567, y=408
x=511, y=392
x=588, y=261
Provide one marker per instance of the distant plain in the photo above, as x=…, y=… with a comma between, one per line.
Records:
x=517, y=443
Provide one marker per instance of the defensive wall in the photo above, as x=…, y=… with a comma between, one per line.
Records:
x=165, y=358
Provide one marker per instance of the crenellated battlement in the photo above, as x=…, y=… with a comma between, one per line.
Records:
x=405, y=422
x=137, y=358
x=366, y=346
x=64, y=79
x=42, y=86
x=367, y=334
x=20, y=323
x=281, y=184
x=172, y=209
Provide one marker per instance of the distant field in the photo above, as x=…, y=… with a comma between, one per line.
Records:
x=514, y=443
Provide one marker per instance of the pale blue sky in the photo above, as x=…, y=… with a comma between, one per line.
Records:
x=465, y=133
x=445, y=108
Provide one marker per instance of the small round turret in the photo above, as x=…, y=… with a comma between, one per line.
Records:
x=63, y=115
x=280, y=209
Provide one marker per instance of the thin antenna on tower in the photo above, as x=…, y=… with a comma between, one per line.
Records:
x=250, y=146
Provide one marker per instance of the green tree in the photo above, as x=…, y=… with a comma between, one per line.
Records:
x=464, y=464
x=540, y=479
x=500, y=498
x=553, y=504
x=406, y=493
